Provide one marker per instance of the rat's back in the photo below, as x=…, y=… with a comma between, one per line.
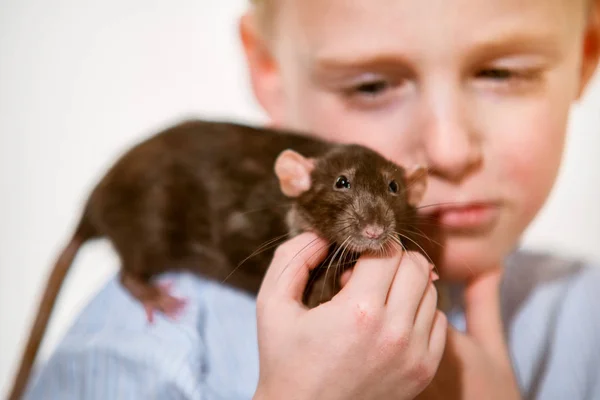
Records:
x=193, y=162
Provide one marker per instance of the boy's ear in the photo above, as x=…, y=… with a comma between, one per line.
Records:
x=591, y=47
x=262, y=67
x=416, y=184
x=293, y=171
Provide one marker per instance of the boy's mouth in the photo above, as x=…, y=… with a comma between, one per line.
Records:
x=471, y=217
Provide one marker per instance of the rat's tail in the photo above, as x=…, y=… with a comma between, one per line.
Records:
x=85, y=231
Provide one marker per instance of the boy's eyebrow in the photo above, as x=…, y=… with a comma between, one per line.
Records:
x=380, y=62
x=543, y=44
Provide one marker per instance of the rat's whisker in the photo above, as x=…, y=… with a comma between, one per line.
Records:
x=423, y=236
x=304, y=248
x=396, y=245
x=329, y=266
x=425, y=220
x=339, y=271
x=452, y=203
x=345, y=227
x=421, y=232
x=347, y=262
x=422, y=218
x=269, y=244
x=419, y=246
x=415, y=243
x=314, y=274
x=423, y=223
x=264, y=246
x=397, y=241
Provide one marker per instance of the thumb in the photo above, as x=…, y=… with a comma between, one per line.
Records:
x=290, y=267
x=483, y=314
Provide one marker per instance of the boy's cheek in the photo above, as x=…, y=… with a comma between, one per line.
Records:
x=528, y=150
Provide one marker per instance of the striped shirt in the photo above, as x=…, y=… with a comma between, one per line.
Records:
x=550, y=308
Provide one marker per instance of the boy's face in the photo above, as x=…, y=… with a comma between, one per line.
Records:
x=479, y=91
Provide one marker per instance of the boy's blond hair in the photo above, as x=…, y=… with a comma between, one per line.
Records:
x=264, y=10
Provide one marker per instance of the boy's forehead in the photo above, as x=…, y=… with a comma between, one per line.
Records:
x=407, y=10
x=341, y=28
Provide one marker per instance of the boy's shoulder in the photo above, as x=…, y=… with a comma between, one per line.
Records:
x=533, y=277
x=550, y=308
x=193, y=355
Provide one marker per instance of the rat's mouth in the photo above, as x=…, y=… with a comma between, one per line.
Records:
x=379, y=245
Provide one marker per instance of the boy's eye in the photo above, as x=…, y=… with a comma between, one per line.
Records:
x=495, y=73
x=510, y=80
x=372, y=88
x=372, y=93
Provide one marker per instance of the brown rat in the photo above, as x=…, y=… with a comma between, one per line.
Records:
x=202, y=196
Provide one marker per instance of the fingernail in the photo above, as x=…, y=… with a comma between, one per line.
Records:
x=434, y=276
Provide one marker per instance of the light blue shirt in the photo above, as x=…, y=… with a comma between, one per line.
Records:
x=551, y=310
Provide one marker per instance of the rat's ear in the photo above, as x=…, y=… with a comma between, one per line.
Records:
x=293, y=171
x=416, y=184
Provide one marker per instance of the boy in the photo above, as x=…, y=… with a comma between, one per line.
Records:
x=477, y=90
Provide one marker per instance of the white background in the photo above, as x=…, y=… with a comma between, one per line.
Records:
x=82, y=80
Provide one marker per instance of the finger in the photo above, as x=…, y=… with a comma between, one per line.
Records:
x=426, y=314
x=345, y=277
x=372, y=277
x=408, y=288
x=438, y=337
x=483, y=314
x=292, y=262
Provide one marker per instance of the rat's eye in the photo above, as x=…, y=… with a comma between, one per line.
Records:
x=342, y=182
x=393, y=186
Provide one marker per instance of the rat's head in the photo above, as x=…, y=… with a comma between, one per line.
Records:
x=351, y=196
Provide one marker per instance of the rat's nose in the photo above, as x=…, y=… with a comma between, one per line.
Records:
x=372, y=231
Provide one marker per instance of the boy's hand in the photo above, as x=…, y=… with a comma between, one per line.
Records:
x=381, y=337
x=476, y=365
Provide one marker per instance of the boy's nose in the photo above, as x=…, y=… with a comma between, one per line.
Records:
x=451, y=144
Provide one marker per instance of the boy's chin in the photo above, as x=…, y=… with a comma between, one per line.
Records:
x=466, y=258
